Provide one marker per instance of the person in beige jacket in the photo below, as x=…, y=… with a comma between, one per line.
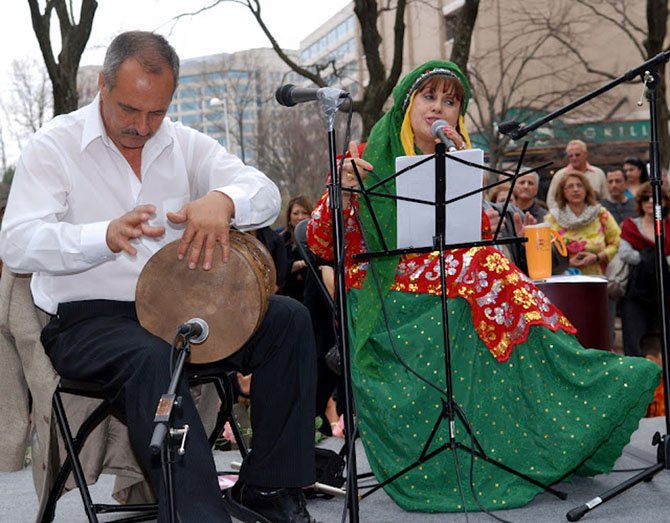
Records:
x=26, y=372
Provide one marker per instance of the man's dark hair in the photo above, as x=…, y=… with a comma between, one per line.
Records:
x=151, y=50
x=617, y=169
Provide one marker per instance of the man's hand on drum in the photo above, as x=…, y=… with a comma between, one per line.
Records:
x=207, y=223
x=349, y=180
x=130, y=226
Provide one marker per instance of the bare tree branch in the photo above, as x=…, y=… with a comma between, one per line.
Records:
x=30, y=102
x=380, y=84
x=465, y=25
x=648, y=41
x=74, y=36
x=525, y=75
x=619, y=19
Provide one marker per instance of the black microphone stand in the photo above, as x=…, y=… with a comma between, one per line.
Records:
x=330, y=101
x=163, y=420
x=649, y=74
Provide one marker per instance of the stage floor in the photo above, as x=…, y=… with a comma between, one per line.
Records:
x=648, y=501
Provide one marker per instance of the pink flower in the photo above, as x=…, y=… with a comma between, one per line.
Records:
x=228, y=433
x=576, y=246
x=338, y=428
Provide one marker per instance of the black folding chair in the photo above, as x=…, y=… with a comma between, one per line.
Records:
x=74, y=444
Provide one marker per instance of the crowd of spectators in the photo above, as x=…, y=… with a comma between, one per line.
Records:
x=600, y=216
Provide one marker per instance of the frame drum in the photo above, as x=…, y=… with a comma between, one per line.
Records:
x=231, y=297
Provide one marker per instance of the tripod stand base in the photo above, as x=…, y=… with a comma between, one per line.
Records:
x=663, y=443
x=526, y=427
x=576, y=513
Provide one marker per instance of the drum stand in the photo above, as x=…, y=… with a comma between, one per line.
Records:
x=649, y=75
x=163, y=424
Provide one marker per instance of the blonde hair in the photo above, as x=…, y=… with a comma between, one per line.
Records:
x=495, y=191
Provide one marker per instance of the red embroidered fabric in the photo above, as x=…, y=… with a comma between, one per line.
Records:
x=503, y=300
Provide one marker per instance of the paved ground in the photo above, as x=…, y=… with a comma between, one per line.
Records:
x=647, y=501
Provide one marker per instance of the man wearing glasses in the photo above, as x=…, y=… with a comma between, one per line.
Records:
x=578, y=159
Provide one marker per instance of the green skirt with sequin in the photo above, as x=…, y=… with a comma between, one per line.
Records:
x=552, y=410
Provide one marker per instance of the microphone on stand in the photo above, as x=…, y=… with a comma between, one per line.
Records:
x=437, y=129
x=512, y=129
x=195, y=329
x=290, y=95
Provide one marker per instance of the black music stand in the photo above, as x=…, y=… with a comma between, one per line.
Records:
x=450, y=409
x=649, y=75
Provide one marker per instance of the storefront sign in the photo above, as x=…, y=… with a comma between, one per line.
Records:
x=557, y=133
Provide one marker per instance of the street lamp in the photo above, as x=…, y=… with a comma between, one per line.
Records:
x=217, y=102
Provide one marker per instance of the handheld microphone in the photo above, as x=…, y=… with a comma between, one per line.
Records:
x=290, y=95
x=437, y=129
x=195, y=329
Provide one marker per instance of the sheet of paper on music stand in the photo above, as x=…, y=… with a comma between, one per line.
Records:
x=416, y=221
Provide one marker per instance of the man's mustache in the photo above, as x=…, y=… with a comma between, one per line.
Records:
x=135, y=132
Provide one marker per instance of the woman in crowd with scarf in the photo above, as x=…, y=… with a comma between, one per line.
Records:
x=534, y=398
x=639, y=306
x=589, y=230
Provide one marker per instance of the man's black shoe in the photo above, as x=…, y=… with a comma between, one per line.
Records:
x=261, y=505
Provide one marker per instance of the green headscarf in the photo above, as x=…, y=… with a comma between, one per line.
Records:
x=381, y=151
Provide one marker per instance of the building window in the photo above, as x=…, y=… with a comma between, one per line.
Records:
x=188, y=92
x=191, y=120
x=189, y=106
x=451, y=12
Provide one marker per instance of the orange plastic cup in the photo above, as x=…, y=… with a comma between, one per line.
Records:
x=538, y=249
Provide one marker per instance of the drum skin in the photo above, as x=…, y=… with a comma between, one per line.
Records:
x=231, y=297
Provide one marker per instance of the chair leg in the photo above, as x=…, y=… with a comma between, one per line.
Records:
x=74, y=444
x=229, y=415
x=73, y=455
x=87, y=426
x=72, y=463
x=221, y=416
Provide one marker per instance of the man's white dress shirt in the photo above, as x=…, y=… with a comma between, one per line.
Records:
x=71, y=181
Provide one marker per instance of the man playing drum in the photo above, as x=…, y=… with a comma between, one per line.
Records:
x=96, y=193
